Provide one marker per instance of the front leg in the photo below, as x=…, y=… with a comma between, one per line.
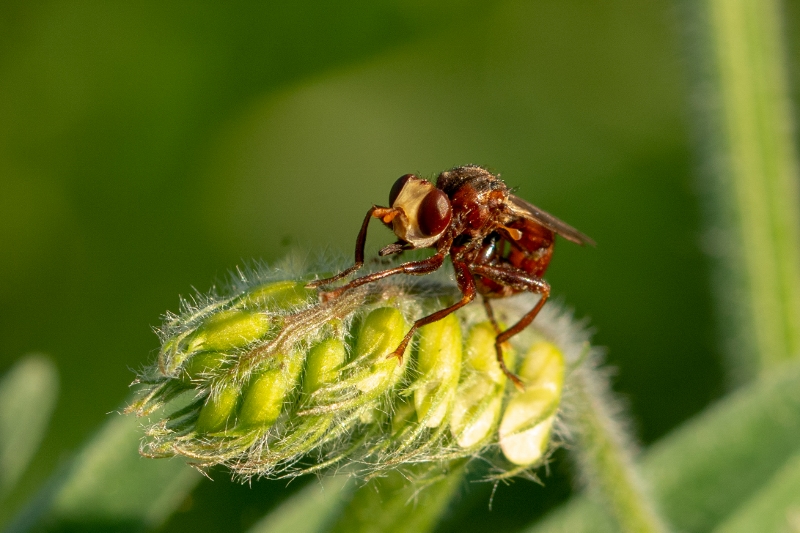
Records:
x=417, y=268
x=361, y=241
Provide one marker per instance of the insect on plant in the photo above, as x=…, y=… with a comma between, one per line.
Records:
x=499, y=244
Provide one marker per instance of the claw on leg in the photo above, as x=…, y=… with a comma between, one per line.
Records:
x=398, y=354
x=402, y=348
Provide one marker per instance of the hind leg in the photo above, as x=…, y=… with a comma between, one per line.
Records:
x=512, y=277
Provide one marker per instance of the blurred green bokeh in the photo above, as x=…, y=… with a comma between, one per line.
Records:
x=147, y=149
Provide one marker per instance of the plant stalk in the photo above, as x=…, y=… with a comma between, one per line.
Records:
x=605, y=455
x=749, y=145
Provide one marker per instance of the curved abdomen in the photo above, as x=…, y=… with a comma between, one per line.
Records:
x=532, y=252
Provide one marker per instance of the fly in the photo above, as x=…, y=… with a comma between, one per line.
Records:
x=499, y=244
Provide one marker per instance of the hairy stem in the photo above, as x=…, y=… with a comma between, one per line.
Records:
x=606, y=456
x=750, y=156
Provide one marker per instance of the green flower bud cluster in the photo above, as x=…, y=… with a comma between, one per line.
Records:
x=273, y=382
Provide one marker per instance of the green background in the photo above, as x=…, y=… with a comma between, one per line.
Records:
x=148, y=149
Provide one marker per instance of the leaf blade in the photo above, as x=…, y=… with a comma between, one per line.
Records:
x=708, y=467
x=28, y=395
x=109, y=485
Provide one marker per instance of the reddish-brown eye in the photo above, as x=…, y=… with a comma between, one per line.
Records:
x=435, y=213
x=397, y=187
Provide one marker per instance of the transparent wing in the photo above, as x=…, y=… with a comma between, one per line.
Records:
x=521, y=208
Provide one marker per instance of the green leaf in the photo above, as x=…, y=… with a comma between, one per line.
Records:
x=27, y=397
x=776, y=507
x=109, y=486
x=410, y=501
x=712, y=465
x=388, y=504
x=309, y=511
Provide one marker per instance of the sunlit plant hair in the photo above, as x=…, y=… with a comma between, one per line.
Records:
x=270, y=382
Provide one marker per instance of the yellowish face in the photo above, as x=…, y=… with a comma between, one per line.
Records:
x=423, y=211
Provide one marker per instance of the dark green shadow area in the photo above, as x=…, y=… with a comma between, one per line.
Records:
x=479, y=505
x=227, y=505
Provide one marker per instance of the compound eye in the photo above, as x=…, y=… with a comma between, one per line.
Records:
x=434, y=213
x=397, y=187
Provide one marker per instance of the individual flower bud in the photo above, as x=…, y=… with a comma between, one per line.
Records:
x=380, y=334
x=479, y=396
x=201, y=365
x=265, y=395
x=221, y=331
x=228, y=330
x=528, y=418
x=218, y=409
x=439, y=366
x=323, y=363
x=278, y=295
x=481, y=355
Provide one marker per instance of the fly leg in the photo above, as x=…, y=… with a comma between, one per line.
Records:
x=361, y=241
x=416, y=268
x=486, y=254
x=490, y=313
x=466, y=284
x=520, y=280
